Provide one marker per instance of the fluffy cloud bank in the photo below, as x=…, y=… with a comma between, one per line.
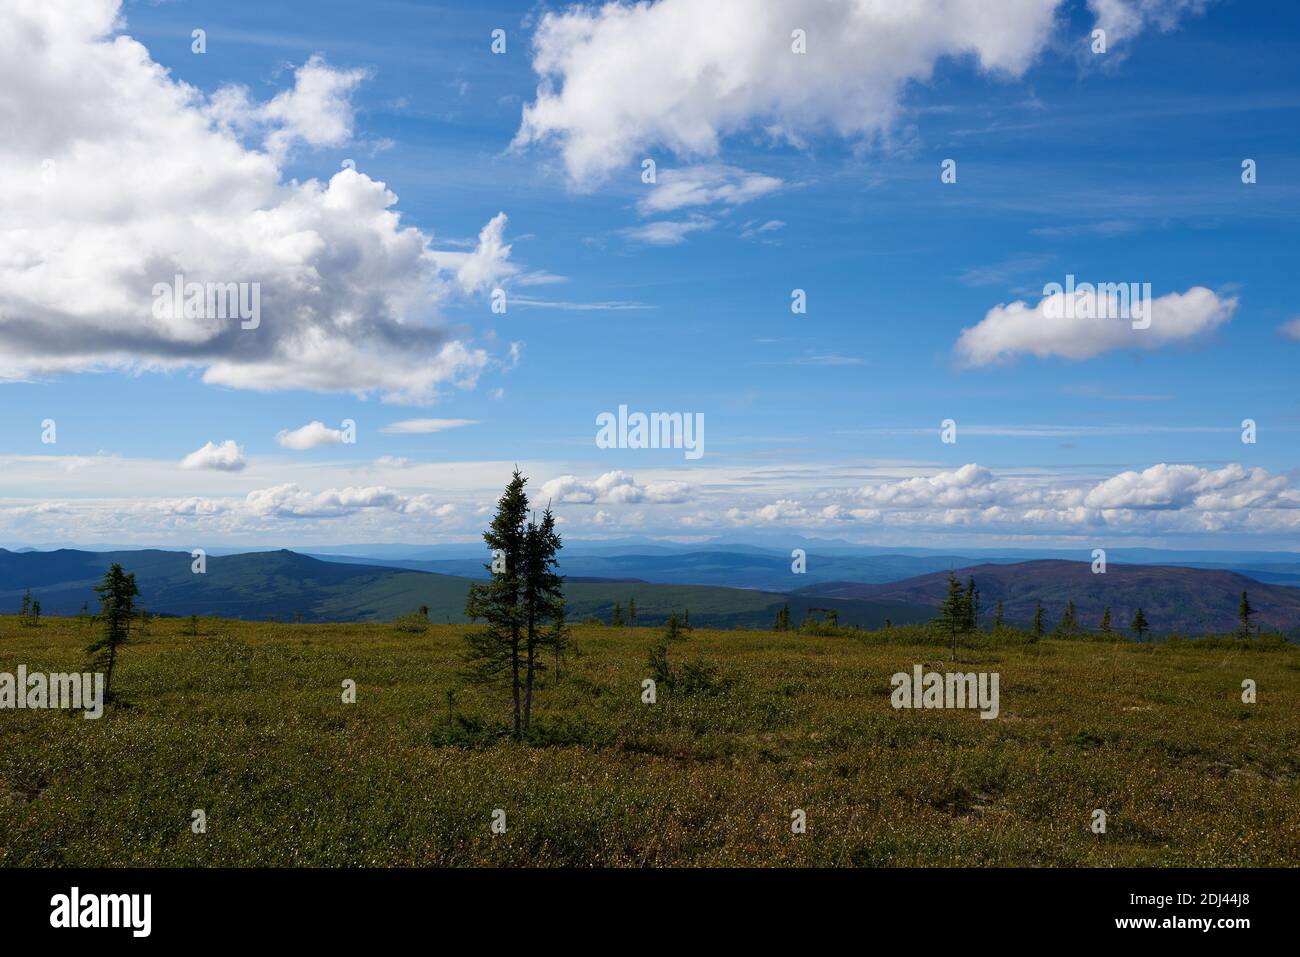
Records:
x=291, y=501
x=899, y=505
x=1163, y=497
x=615, y=488
x=971, y=486
x=1160, y=487
x=1048, y=329
x=1230, y=488
x=124, y=178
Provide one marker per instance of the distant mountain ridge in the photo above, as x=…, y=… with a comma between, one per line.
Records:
x=749, y=569
x=1173, y=598
x=771, y=571
x=280, y=584
x=733, y=564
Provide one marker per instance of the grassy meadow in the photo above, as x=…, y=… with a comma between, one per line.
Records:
x=245, y=721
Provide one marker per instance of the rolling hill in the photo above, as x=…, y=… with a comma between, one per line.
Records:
x=1173, y=599
x=733, y=569
x=278, y=585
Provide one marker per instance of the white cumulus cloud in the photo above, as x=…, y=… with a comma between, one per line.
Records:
x=289, y=500
x=317, y=110
x=1166, y=486
x=226, y=457
x=310, y=436
x=124, y=177
x=967, y=487
x=1044, y=330
x=488, y=264
x=618, y=79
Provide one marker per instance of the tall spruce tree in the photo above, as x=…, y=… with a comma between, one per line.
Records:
x=782, y=618
x=493, y=654
x=1105, y=621
x=522, y=604
x=1038, y=620
x=1244, y=613
x=1140, y=626
x=997, y=616
x=117, y=594
x=954, y=611
x=1069, y=619
x=673, y=628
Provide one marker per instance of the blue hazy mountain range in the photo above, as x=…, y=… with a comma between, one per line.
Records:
x=750, y=566
x=723, y=585
x=284, y=585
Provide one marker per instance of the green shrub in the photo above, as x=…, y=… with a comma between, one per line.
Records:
x=412, y=624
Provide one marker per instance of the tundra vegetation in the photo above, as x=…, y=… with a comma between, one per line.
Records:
x=246, y=721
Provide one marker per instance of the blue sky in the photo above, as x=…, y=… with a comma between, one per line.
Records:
x=1115, y=167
